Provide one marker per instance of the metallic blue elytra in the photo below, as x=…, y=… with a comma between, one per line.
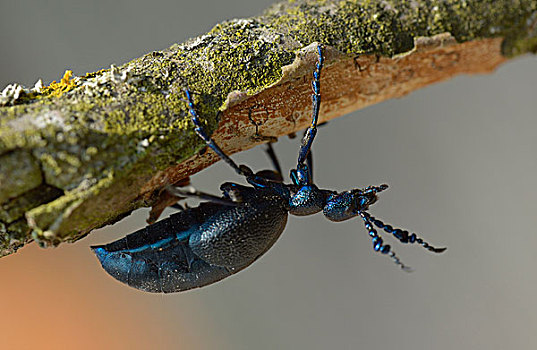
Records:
x=200, y=246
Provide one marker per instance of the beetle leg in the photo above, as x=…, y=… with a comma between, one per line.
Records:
x=241, y=170
x=272, y=175
x=310, y=133
x=193, y=193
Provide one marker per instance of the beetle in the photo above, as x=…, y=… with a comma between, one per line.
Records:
x=202, y=245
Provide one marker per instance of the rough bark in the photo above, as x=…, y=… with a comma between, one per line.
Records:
x=84, y=152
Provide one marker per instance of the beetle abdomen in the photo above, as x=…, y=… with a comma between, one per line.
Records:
x=166, y=272
x=158, y=259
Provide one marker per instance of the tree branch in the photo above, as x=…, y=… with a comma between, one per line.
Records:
x=85, y=152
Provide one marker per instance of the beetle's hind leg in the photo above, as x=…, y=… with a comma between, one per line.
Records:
x=191, y=192
x=163, y=199
x=170, y=196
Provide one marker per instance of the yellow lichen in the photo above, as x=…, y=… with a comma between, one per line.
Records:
x=57, y=89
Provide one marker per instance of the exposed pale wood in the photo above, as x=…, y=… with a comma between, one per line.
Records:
x=348, y=84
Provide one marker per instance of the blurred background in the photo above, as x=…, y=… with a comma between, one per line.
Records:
x=460, y=160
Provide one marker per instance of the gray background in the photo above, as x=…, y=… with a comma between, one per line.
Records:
x=459, y=157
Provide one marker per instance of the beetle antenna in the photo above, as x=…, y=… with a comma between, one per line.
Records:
x=378, y=245
x=402, y=235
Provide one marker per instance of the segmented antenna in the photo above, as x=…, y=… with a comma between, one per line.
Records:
x=402, y=235
x=378, y=245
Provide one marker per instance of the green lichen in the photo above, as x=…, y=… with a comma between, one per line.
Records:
x=15, y=208
x=13, y=236
x=388, y=28
x=46, y=219
x=21, y=171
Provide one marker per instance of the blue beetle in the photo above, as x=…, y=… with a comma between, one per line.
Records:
x=200, y=246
